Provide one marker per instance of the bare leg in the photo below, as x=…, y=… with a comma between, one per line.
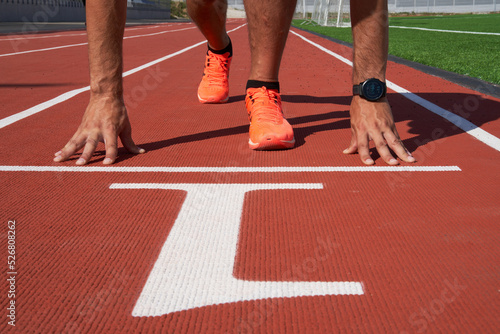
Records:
x=210, y=17
x=268, y=24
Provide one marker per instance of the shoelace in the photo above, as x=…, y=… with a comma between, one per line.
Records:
x=216, y=68
x=265, y=106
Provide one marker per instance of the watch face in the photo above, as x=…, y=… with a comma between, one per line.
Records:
x=373, y=90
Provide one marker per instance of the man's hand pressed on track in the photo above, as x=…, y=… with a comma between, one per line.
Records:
x=373, y=120
x=104, y=120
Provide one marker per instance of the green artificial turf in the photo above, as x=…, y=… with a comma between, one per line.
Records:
x=472, y=55
x=461, y=22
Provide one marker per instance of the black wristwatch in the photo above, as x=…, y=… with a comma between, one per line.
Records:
x=371, y=89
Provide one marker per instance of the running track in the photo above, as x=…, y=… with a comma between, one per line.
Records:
x=201, y=234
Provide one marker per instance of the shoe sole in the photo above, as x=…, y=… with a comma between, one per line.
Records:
x=212, y=101
x=271, y=143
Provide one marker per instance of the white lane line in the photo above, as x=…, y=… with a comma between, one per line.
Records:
x=460, y=122
x=291, y=169
x=42, y=106
x=450, y=31
x=158, y=33
x=42, y=50
x=66, y=96
x=470, y=128
x=30, y=37
x=80, y=44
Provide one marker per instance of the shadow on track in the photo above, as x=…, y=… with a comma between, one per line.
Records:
x=425, y=125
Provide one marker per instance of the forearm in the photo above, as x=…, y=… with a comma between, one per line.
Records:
x=105, y=27
x=369, y=19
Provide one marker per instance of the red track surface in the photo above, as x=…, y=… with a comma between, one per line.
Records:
x=423, y=245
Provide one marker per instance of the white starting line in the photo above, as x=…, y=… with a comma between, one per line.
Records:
x=281, y=169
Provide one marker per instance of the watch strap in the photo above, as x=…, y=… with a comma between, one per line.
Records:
x=356, y=90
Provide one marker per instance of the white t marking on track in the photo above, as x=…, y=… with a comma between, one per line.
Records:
x=195, y=266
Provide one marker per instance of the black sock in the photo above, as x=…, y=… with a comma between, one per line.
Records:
x=269, y=85
x=228, y=48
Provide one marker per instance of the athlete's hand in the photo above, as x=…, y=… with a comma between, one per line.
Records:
x=374, y=121
x=104, y=120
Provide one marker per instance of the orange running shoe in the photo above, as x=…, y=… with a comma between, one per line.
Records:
x=269, y=130
x=214, y=86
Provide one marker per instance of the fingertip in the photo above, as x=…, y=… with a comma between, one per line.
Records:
x=393, y=162
x=132, y=148
x=136, y=150
x=60, y=157
x=350, y=150
x=368, y=161
x=410, y=158
x=108, y=161
x=58, y=153
x=80, y=162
